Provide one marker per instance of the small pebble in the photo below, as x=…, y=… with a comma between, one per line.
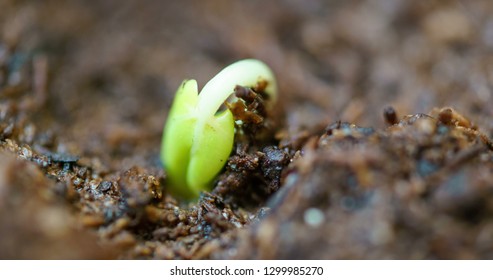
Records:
x=314, y=217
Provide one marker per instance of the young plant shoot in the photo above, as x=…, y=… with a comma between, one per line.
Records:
x=197, y=139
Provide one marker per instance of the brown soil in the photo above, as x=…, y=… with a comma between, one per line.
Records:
x=364, y=157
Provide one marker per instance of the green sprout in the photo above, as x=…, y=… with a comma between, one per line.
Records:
x=197, y=139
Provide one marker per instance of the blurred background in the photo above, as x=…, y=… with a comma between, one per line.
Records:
x=113, y=66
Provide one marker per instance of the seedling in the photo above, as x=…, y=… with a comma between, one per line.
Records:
x=197, y=139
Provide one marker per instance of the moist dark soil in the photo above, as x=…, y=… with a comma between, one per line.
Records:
x=379, y=146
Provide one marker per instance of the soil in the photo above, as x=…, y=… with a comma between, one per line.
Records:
x=378, y=148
